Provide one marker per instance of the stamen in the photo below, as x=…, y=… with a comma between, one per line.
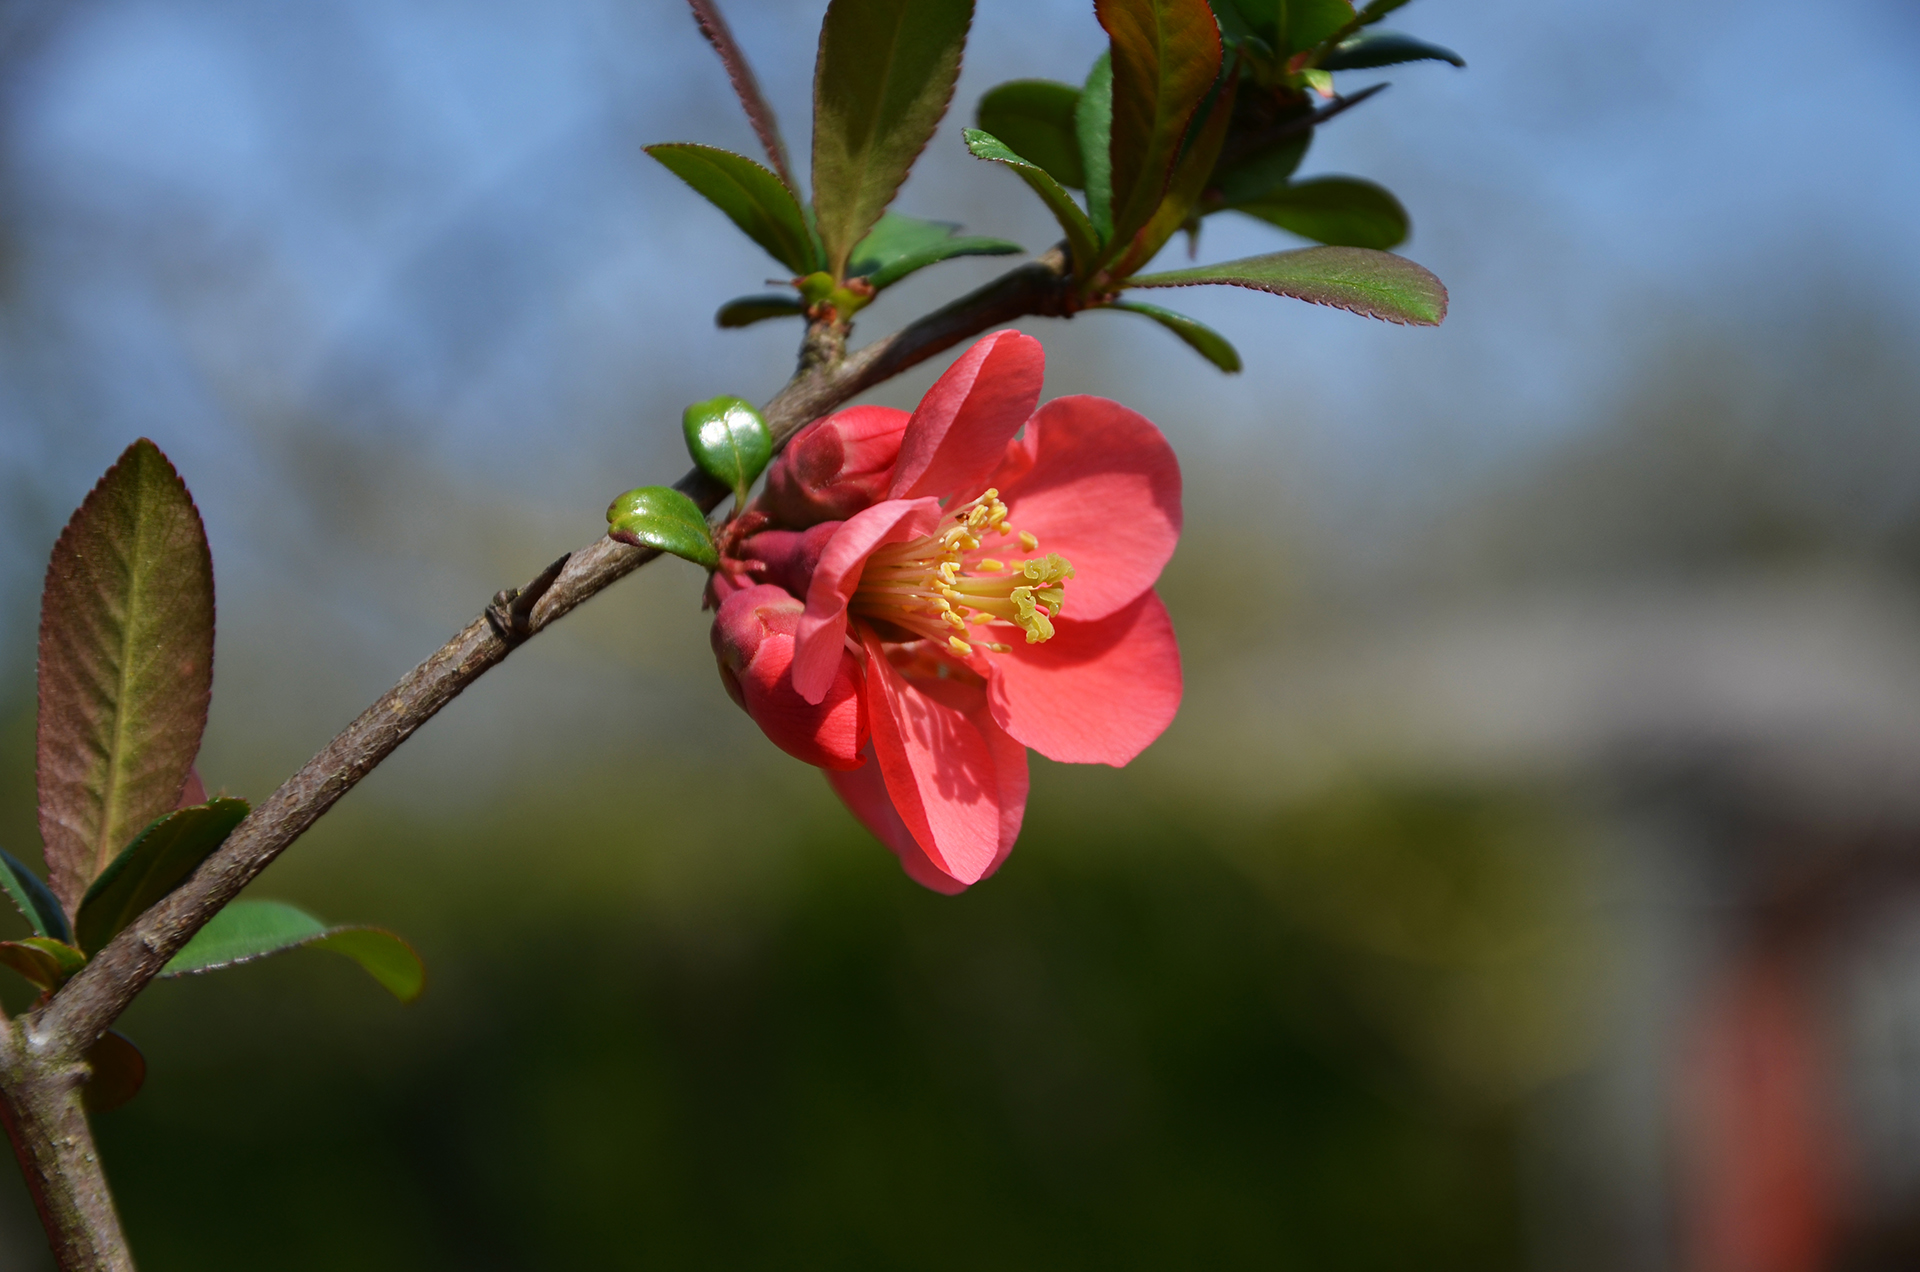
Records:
x=1028, y=542
x=960, y=646
x=991, y=566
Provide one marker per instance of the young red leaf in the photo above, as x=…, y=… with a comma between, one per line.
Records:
x=706, y=15
x=885, y=74
x=1166, y=55
x=1372, y=284
x=126, y=665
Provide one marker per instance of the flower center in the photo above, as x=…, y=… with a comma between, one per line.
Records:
x=944, y=584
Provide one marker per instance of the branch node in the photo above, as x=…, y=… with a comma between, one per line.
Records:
x=511, y=614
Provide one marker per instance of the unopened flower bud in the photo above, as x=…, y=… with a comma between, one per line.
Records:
x=753, y=640
x=836, y=467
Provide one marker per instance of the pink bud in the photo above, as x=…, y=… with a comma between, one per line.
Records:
x=753, y=637
x=837, y=466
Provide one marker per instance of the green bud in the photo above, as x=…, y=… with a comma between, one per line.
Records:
x=661, y=517
x=815, y=288
x=729, y=439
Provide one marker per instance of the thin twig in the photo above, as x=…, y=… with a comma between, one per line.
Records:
x=87, y=1004
x=747, y=88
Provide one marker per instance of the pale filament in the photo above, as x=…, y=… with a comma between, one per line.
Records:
x=941, y=584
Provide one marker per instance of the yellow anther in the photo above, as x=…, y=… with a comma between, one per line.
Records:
x=1028, y=542
x=992, y=566
x=980, y=616
x=999, y=648
x=955, y=621
x=959, y=646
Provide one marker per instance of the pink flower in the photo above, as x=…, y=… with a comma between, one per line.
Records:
x=983, y=594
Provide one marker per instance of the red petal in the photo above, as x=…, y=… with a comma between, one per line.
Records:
x=864, y=791
x=1102, y=489
x=962, y=426
x=823, y=631
x=753, y=640
x=949, y=779
x=1098, y=692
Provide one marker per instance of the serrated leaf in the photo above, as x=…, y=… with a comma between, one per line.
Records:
x=118, y=1071
x=1337, y=211
x=158, y=860
x=1375, y=10
x=249, y=930
x=1093, y=128
x=44, y=961
x=1204, y=340
x=902, y=245
x=728, y=438
x=1166, y=57
x=1036, y=119
x=744, y=311
x=1191, y=175
x=1263, y=171
x=1308, y=22
x=1081, y=239
x=706, y=15
x=1233, y=23
x=1372, y=284
x=37, y=905
x=753, y=198
x=885, y=74
x=126, y=665
x=661, y=517
x=1385, y=48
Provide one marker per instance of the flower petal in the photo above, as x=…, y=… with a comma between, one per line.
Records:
x=753, y=640
x=948, y=777
x=823, y=629
x=1099, y=485
x=1097, y=693
x=836, y=466
x=962, y=426
x=864, y=791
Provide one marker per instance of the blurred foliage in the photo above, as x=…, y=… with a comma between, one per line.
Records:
x=642, y=1045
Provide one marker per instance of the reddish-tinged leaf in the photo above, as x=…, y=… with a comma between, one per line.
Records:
x=1190, y=177
x=126, y=665
x=1166, y=55
x=1372, y=284
x=706, y=15
x=883, y=80
x=119, y=1071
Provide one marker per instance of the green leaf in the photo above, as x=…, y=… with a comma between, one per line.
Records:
x=1338, y=211
x=1263, y=171
x=901, y=245
x=1233, y=23
x=885, y=74
x=154, y=864
x=118, y=1073
x=661, y=517
x=744, y=311
x=126, y=665
x=1375, y=10
x=1369, y=283
x=1207, y=342
x=1166, y=56
x=35, y=903
x=1190, y=179
x=41, y=959
x=728, y=439
x=1093, y=128
x=248, y=930
x=1081, y=239
x=1385, y=48
x=1036, y=118
x=755, y=199
x=1308, y=22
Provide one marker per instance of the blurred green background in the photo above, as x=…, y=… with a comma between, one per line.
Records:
x=1535, y=665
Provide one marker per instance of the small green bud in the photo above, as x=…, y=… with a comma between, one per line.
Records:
x=815, y=288
x=662, y=517
x=730, y=441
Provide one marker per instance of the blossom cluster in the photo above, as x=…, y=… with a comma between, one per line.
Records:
x=918, y=598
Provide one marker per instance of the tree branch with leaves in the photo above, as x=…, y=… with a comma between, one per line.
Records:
x=840, y=635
